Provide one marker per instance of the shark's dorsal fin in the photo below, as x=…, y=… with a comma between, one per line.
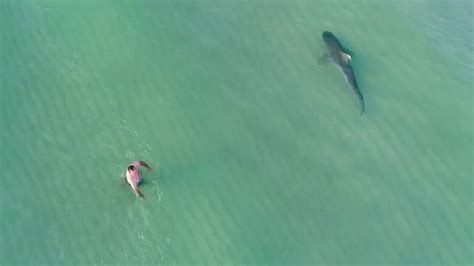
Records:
x=347, y=57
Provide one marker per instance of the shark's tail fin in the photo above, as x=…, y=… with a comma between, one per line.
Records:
x=362, y=105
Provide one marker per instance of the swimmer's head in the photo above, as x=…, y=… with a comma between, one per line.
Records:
x=131, y=168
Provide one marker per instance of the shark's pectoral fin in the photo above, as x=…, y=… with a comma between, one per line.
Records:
x=324, y=59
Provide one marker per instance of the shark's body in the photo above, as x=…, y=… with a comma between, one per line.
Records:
x=341, y=58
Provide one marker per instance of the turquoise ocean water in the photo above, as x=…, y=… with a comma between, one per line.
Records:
x=263, y=158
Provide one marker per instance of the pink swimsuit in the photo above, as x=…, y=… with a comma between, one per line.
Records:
x=133, y=178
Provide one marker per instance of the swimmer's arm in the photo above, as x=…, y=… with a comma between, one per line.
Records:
x=124, y=178
x=142, y=163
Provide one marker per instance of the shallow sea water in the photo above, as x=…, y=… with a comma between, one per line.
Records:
x=263, y=158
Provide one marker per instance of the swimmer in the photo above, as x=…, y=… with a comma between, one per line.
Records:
x=133, y=176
